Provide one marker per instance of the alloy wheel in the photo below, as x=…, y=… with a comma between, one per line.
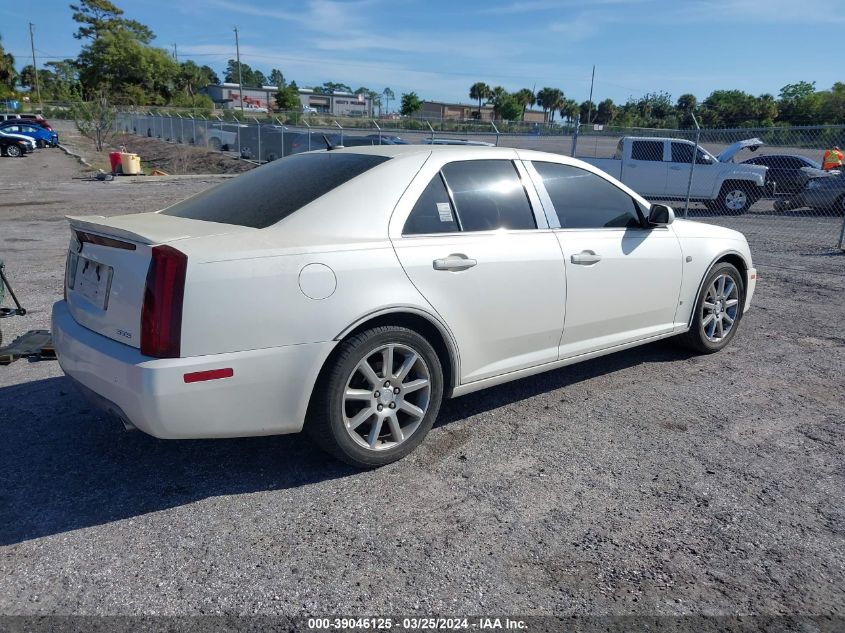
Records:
x=736, y=199
x=386, y=397
x=720, y=308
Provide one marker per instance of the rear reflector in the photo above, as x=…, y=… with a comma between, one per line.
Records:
x=211, y=374
x=161, y=315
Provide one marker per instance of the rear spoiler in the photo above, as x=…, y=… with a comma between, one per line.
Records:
x=99, y=224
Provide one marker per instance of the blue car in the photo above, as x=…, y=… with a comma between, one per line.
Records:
x=42, y=137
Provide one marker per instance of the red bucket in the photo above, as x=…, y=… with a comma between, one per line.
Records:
x=114, y=159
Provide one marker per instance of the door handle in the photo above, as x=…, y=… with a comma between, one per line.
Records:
x=585, y=258
x=675, y=168
x=455, y=261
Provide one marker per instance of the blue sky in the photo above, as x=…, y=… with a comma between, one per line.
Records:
x=438, y=49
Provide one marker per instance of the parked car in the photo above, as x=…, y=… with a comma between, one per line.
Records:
x=364, y=285
x=659, y=168
x=41, y=136
x=787, y=173
x=13, y=147
x=41, y=122
x=224, y=136
x=26, y=141
x=11, y=116
x=825, y=194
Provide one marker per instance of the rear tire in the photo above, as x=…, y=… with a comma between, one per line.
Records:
x=717, y=311
x=377, y=398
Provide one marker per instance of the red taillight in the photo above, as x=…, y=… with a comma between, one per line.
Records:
x=161, y=316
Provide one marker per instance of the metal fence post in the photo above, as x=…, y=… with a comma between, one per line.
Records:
x=259, y=138
x=497, y=132
x=193, y=130
x=432, y=131
x=238, y=128
x=575, y=138
x=842, y=236
x=379, y=130
x=181, y=137
x=692, y=163
x=309, y=133
x=341, y=131
x=282, y=128
x=170, y=116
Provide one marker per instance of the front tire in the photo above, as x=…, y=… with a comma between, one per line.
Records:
x=215, y=144
x=378, y=398
x=717, y=311
x=13, y=151
x=735, y=198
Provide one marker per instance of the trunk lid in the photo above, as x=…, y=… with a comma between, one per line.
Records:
x=107, y=264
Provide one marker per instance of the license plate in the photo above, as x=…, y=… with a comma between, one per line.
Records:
x=93, y=281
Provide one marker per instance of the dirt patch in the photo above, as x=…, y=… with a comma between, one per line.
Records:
x=172, y=158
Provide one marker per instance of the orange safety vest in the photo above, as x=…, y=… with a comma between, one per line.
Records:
x=832, y=159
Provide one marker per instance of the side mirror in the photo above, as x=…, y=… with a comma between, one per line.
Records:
x=660, y=215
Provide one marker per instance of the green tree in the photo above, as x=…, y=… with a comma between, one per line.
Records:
x=95, y=119
x=569, y=110
x=550, y=100
x=525, y=98
x=331, y=87
x=800, y=104
x=730, y=108
x=277, y=78
x=832, y=106
x=480, y=91
x=686, y=103
x=97, y=17
x=605, y=112
x=411, y=104
x=249, y=76
x=8, y=74
x=126, y=68
x=387, y=93
x=287, y=98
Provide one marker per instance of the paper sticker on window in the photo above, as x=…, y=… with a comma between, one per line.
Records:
x=445, y=212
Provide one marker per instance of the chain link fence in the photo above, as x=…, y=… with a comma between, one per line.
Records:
x=767, y=183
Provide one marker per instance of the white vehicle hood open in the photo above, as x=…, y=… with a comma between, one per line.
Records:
x=732, y=150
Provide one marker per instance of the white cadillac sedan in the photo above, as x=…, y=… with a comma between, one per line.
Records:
x=347, y=292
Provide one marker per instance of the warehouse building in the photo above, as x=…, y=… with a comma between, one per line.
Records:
x=462, y=111
x=228, y=97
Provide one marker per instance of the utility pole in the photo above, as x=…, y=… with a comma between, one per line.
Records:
x=590, y=102
x=35, y=66
x=240, y=79
x=175, y=54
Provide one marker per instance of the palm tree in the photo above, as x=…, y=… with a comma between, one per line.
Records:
x=569, y=110
x=525, y=98
x=550, y=100
x=480, y=90
x=387, y=93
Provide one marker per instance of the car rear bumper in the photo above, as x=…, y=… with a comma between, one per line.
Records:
x=267, y=394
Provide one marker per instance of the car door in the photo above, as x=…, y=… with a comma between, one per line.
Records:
x=704, y=177
x=645, y=171
x=476, y=245
x=623, y=280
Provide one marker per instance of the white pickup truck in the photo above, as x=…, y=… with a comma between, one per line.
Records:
x=659, y=168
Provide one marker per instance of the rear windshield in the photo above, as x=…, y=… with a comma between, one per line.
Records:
x=263, y=196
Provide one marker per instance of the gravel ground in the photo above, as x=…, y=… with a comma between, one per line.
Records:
x=646, y=482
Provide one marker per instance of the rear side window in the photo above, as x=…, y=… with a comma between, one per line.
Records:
x=647, y=150
x=681, y=153
x=489, y=195
x=583, y=200
x=433, y=212
x=263, y=196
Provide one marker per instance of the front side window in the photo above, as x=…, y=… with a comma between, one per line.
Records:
x=433, y=212
x=647, y=150
x=489, y=195
x=583, y=200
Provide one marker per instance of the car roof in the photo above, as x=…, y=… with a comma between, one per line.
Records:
x=457, y=150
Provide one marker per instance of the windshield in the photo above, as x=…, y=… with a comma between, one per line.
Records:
x=265, y=195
